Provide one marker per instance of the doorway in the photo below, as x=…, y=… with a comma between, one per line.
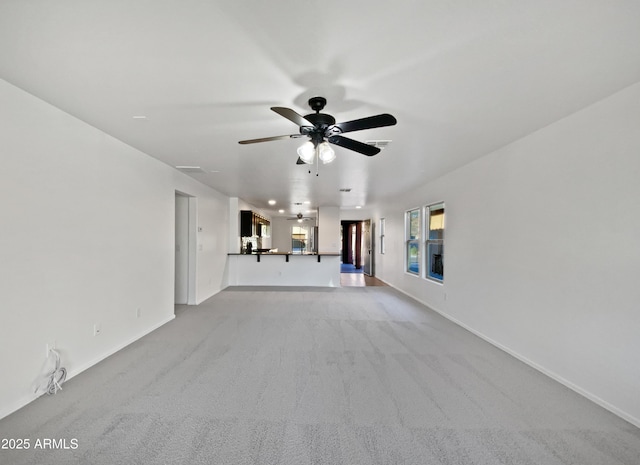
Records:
x=351, y=233
x=357, y=245
x=185, y=249
x=357, y=267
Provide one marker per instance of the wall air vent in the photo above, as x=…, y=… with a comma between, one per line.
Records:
x=190, y=169
x=381, y=144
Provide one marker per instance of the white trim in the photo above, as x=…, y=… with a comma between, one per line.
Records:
x=575, y=388
x=193, y=251
x=84, y=366
x=23, y=401
x=426, y=213
x=212, y=294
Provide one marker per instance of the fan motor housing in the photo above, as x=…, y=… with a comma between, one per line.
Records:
x=320, y=119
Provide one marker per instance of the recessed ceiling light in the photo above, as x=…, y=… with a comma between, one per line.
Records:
x=272, y=202
x=307, y=202
x=215, y=171
x=358, y=206
x=139, y=117
x=281, y=211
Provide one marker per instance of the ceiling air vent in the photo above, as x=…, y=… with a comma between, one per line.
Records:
x=381, y=144
x=190, y=169
x=345, y=189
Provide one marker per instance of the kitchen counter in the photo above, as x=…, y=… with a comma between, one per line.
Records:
x=288, y=254
x=284, y=269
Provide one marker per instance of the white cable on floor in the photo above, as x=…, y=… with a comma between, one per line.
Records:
x=52, y=381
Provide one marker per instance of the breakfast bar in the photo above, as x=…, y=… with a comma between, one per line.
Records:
x=284, y=269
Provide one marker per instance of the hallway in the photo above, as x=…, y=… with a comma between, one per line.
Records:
x=359, y=280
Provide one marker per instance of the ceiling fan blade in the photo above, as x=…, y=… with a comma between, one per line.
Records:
x=267, y=139
x=292, y=116
x=377, y=121
x=354, y=145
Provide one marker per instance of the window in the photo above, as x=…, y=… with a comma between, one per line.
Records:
x=434, y=257
x=299, y=239
x=413, y=241
x=382, y=222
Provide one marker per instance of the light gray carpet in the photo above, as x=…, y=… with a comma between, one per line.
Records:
x=324, y=376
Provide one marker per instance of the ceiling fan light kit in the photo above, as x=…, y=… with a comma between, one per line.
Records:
x=307, y=152
x=326, y=153
x=322, y=130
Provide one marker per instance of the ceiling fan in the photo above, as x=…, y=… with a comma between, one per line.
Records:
x=300, y=218
x=322, y=130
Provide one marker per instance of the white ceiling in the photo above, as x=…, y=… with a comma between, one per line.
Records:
x=462, y=77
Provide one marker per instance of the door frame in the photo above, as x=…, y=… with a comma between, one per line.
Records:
x=358, y=258
x=191, y=239
x=367, y=247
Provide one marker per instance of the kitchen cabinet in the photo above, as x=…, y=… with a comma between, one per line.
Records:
x=253, y=224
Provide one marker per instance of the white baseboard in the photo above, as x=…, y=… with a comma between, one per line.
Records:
x=583, y=392
x=17, y=405
x=27, y=399
x=76, y=371
x=199, y=301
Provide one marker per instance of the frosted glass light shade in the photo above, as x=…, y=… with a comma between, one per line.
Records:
x=307, y=152
x=326, y=153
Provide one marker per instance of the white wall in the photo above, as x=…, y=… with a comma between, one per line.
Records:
x=355, y=214
x=542, y=250
x=329, y=229
x=87, y=237
x=281, y=234
x=234, y=225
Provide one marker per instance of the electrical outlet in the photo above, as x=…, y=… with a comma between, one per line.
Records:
x=96, y=329
x=49, y=347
